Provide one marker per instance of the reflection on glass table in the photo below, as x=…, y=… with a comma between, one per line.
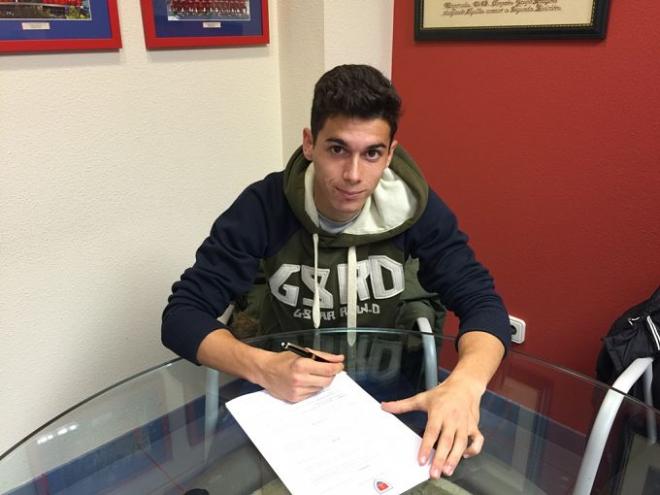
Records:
x=167, y=430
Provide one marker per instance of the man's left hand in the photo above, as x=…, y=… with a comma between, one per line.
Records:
x=453, y=421
x=453, y=406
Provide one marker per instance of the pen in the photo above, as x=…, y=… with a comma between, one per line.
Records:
x=302, y=352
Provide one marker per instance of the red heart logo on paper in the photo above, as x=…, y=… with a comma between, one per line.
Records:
x=381, y=486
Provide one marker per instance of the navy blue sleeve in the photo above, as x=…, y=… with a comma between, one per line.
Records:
x=225, y=266
x=449, y=268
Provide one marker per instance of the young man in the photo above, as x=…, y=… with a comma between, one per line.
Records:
x=350, y=206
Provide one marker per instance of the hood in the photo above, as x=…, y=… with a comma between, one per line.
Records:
x=396, y=204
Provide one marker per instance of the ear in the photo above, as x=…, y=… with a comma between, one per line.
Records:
x=308, y=143
x=390, y=154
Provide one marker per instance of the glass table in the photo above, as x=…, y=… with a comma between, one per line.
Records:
x=167, y=430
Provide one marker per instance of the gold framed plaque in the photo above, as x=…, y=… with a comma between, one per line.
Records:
x=509, y=19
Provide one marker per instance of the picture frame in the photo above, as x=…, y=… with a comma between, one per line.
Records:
x=204, y=23
x=510, y=19
x=58, y=25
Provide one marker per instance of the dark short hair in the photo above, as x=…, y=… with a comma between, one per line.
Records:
x=355, y=91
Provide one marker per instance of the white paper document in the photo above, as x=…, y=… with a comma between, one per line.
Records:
x=338, y=441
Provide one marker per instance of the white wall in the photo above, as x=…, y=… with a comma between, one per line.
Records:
x=317, y=35
x=113, y=167
x=359, y=32
x=301, y=29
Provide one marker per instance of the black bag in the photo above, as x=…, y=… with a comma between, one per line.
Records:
x=635, y=334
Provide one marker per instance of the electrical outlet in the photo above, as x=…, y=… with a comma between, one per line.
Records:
x=517, y=330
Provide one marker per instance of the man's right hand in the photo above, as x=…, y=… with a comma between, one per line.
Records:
x=293, y=378
x=285, y=375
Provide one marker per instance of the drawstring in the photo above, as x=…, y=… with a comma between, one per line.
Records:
x=351, y=291
x=316, y=305
x=654, y=332
x=351, y=295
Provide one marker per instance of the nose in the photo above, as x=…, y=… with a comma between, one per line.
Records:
x=352, y=169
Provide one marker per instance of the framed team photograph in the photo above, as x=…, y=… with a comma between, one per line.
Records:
x=58, y=25
x=204, y=23
x=509, y=19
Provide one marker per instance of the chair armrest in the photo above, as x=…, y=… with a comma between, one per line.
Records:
x=605, y=418
x=430, y=353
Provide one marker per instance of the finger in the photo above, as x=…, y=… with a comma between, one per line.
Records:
x=454, y=457
x=431, y=433
x=475, y=446
x=294, y=394
x=413, y=403
x=442, y=450
x=301, y=393
x=321, y=369
x=302, y=380
x=333, y=358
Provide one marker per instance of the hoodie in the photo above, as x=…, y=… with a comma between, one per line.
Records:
x=318, y=279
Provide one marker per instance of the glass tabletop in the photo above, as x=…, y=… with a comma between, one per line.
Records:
x=168, y=431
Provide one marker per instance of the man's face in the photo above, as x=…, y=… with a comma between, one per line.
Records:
x=350, y=156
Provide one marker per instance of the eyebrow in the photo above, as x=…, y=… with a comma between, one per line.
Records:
x=341, y=142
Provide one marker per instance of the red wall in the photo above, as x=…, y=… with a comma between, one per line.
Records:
x=549, y=153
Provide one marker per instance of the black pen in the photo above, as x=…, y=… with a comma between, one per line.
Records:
x=302, y=352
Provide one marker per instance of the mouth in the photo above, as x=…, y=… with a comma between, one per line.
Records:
x=349, y=194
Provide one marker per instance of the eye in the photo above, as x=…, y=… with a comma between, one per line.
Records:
x=335, y=149
x=373, y=155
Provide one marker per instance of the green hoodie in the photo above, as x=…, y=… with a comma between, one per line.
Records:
x=316, y=279
x=396, y=205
